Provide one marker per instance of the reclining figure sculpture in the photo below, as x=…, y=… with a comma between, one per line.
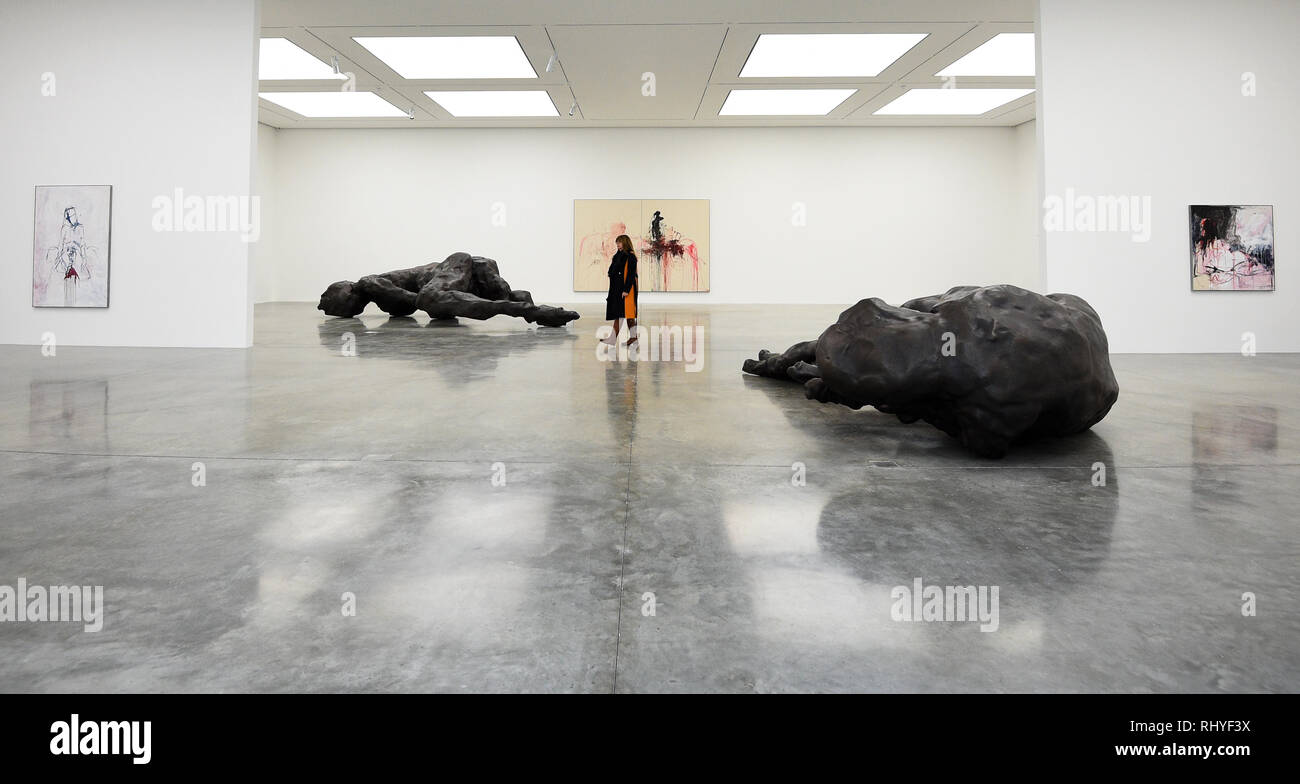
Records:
x=460, y=285
x=988, y=365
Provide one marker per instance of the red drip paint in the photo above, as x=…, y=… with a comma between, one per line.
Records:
x=665, y=247
x=71, y=273
x=665, y=250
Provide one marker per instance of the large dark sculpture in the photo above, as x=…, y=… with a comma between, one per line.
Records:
x=460, y=285
x=989, y=366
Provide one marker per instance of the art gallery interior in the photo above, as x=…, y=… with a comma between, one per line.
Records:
x=437, y=499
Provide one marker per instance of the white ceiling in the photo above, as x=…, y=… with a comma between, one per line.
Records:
x=695, y=48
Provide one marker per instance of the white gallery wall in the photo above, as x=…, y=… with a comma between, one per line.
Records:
x=147, y=96
x=1028, y=198
x=263, y=260
x=1146, y=99
x=890, y=212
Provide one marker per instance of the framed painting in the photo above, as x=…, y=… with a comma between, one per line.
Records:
x=1231, y=247
x=71, y=246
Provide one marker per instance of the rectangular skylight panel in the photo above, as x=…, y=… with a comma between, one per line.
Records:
x=777, y=55
x=1005, y=54
x=784, y=102
x=495, y=103
x=939, y=100
x=452, y=57
x=280, y=58
x=334, y=104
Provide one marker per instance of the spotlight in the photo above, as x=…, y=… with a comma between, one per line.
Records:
x=551, y=63
x=573, y=107
x=334, y=60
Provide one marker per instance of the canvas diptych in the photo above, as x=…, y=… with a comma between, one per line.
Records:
x=671, y=238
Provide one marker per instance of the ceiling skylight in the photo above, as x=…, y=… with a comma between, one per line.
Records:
x=939, y=100
x=826, y=54
x=1005, y=54
x=334, y=104
x=778, y=102
x=495, y=103
x=452, y=57
x=279, y=58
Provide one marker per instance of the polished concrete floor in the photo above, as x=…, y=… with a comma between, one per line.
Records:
x=506, y=508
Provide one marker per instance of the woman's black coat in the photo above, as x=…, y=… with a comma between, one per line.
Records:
x=618, y=286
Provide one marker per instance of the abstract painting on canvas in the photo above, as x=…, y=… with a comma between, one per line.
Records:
x=670, y=236
x=1232, y=247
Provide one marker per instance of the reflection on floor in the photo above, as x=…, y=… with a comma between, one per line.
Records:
x=511, y=513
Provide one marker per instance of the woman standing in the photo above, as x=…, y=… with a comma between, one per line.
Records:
x=621, y=302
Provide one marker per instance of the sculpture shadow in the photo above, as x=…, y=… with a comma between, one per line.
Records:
x=1039, y=534
x=1036, y=522
x=459, y=352
x=881, y=435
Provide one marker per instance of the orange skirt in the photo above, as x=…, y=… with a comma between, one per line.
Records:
x=629, y=304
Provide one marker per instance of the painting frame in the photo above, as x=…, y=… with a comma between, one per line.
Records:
x=671, y=237
x=95, y=252
x=1259, y=254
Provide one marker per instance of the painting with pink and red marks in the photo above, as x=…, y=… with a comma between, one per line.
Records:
x=670, y=236
x=1232, y=247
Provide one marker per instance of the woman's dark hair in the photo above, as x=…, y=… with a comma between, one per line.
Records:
x=624, y=243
